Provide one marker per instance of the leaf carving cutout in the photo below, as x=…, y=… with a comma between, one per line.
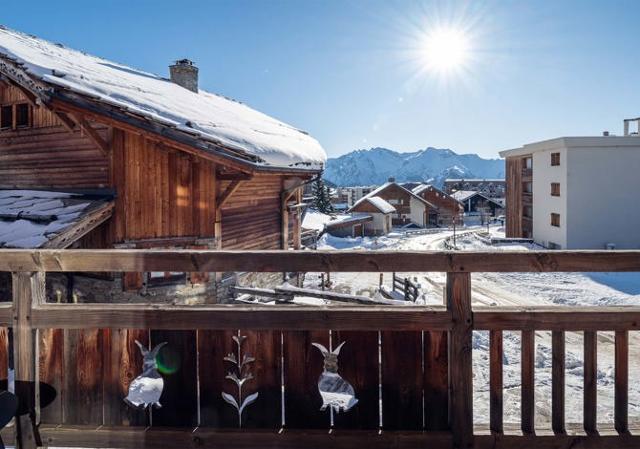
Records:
x=230, y=399
x=248, y=401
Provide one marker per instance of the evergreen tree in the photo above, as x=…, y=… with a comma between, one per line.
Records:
x=321, y=197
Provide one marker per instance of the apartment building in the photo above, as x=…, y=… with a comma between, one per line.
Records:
x=575, y=192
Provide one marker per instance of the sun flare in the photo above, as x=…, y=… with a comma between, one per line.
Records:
x=445, y=49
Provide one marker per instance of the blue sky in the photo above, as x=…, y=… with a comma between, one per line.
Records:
x=346, y=70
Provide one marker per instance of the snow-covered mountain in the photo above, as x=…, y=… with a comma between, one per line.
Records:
x=376, y=165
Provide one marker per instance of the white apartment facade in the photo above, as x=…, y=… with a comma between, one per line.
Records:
x=575, y=192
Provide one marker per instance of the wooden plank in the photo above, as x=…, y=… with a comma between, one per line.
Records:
x=496, y=409
x=319, y=261
x=83, y=377
x=436, y=381
x=122, y=363
x=358, y=364
x=177, y=362
x=557, y=318
x=51, y=372
x=621, y=401
x=265, y=347
x=6, y=314
x=590, y=381
x=79, y=316
x=528, y=381
x=557, y=381
x=458, y=298
x=402, y=381
x=303, y=365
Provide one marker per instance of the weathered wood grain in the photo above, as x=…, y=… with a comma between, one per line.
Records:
x=557, y=381
x=621, y=394
x=590, y=382
x=527, y=374
x=436, y=381
x=318, y=261
x=496, y=408
x=458, y=297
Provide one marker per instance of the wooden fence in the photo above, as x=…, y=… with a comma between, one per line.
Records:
x=410, y=366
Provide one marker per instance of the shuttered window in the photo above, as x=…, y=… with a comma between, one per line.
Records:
x=555, y=189
x=555, y=159
x=555, y=220
x=22, y=115
x=13, y=116
x=6, y=117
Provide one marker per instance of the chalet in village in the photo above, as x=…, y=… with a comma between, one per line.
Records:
x=95, y=154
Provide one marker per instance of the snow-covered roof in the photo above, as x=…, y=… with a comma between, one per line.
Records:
x=421, y=188
x=222, y=121
x=376, y=202
x=347, y=219
x=392, y=183
x=34, y=219
x=464, y=195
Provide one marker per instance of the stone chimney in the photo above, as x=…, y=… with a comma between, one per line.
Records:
x=185, y=74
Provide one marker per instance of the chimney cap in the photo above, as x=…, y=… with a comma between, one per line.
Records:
x=184, y=61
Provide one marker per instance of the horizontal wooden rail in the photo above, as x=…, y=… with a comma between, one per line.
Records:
x=86, y=316
x=557, y=318
x=6, y=314
x=317, y=261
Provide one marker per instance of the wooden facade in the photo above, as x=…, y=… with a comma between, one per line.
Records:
x=448, y=207
x=400, y=198
x=518, y=200
x=162, y=192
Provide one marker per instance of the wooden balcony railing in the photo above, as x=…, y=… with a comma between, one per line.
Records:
x=411, y=366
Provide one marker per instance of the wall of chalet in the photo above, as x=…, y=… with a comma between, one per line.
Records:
x=514, y=168
x=251, y=217
x=47, y=155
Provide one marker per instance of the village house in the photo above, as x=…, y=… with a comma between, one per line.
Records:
x=477, y=203
x=95, y=154
x=379, y=210
x=575, y=192
x=491, y=188
x=448, y=207
x=409, y=207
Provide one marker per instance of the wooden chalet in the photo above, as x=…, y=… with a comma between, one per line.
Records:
x=409, y=207
x=379, y=210
x=477, y=203
x=173, y=166
x=448, y=207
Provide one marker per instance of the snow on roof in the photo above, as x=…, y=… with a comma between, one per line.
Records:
x=30, y=219
x=387, y=184
x=463, y=195
x=421, y=188
x=318, y=221
x=378, y=203
x=213, y=117
x=345, y=219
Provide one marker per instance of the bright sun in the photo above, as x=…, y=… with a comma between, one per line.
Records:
x=445, y=49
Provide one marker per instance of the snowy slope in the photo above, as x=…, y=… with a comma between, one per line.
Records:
x=224, y=121
x=376, y=165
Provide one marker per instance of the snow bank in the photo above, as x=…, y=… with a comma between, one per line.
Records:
x=224, y=121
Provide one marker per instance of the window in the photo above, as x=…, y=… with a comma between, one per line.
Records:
x=6, y=117
x=528, y=162
x=160, y=278
x=555, y=220
x=14, y=116
x=527, y=212
x=527, y=187
x=22, y=115
x=555, y=189
x=555, y=159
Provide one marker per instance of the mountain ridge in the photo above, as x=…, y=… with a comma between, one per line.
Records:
x=375, y=165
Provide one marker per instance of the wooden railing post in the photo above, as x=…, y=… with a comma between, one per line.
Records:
x=460, y=366
x=28, y=290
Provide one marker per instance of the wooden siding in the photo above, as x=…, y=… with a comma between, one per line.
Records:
x=514, y=168
x=47, y=155
x=251, y=217
x=447, y=205
x=161, y=193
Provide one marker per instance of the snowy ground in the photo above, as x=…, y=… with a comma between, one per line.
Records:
x=575, y=289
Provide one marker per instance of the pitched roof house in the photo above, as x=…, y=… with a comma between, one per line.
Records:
x=409, y=207
x=448, y=207
x=177, y=166
x=379, y=209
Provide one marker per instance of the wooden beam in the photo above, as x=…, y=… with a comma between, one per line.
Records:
x=87, y=224
x=31, y=98
x=527, y=379
x=621, y=396
x=342, y=261
x=224, y=196
x=460, y=366
x=557, y=381
x=590, y=382
x=83, y=316
x=496, y=409
x=102, y=144
x=225, y=176
x=557, y=318
x=67, y=122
